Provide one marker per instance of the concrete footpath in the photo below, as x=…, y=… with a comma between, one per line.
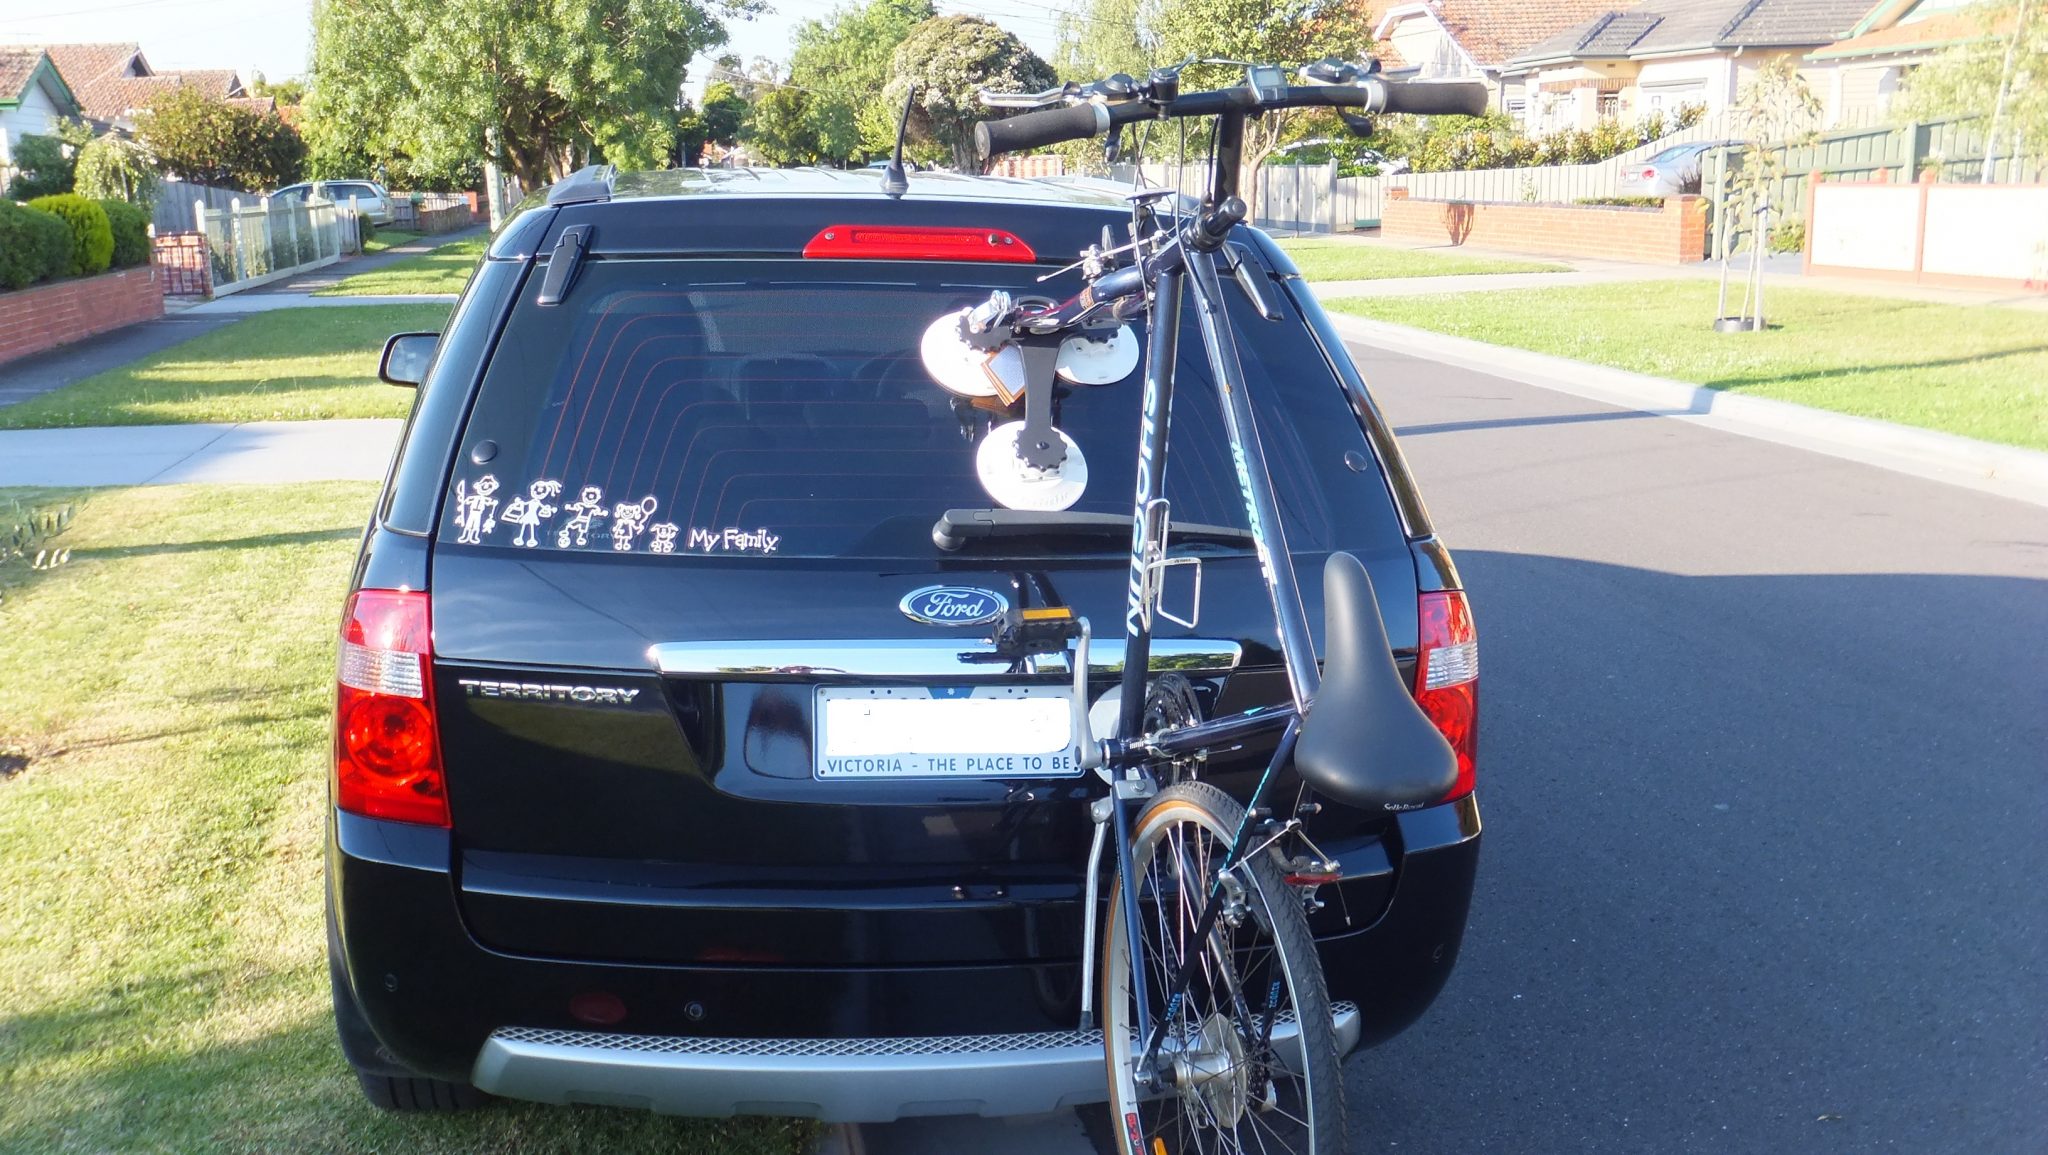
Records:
x=256, y=451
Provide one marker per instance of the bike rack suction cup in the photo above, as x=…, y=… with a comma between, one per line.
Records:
x=1014, y=484
x=957, y=366
x=1099, y=358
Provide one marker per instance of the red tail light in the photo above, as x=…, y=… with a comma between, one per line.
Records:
x=387, y=755
x=917, y=243
x=1447, y=679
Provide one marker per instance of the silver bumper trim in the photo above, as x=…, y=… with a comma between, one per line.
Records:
x=826, y=660
x=836, y=1080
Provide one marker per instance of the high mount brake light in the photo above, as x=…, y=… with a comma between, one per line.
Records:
x=917, y=243
x=387, y=752
x=1447, y=679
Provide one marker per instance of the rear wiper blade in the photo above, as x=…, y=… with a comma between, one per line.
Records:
x=956, y=527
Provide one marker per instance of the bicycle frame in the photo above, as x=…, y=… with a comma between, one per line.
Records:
x=1194, y=266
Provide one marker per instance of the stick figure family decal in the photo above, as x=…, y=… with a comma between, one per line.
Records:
x=477, y=517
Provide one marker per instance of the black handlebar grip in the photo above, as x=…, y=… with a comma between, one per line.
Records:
x=1435, y=98
x=1037, y=129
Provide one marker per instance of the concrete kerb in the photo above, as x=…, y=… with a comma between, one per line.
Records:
x=2020, y=474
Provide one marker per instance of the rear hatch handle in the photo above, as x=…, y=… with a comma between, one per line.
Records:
x=815, y=660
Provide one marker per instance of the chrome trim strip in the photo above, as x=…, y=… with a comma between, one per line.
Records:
x=837, y=1080
x=823, y=660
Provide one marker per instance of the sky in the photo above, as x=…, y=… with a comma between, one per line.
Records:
x=274, y=37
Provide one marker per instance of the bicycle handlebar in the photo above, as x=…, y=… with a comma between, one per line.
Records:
x=1037, y=129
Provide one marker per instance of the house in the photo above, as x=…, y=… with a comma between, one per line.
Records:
x=1666, y=53
x=1857, y=77
x=115, y=81
x=1472, y=39
x=33, y=98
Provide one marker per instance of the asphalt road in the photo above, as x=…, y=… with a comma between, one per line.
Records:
x=1764, y=768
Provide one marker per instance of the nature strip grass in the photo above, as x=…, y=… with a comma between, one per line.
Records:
x=1977, y=371
x=163, y=981
x=285, y=365
x=1331, y=259
x=444, y=270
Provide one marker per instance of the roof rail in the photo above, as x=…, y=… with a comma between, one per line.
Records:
x=589, y=184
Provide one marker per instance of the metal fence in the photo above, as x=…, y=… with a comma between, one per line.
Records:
x=251, y=244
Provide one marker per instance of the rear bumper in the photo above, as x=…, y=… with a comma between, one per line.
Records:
x=871, y=1080
x=852, y=1043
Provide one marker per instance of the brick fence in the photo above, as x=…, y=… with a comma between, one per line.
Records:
x=432, y=222
x=1672, y=235
x=43, y=317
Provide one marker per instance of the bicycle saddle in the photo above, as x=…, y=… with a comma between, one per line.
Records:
x=1365, y=742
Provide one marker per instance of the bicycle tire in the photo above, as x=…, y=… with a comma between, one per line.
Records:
x=1302, y=1114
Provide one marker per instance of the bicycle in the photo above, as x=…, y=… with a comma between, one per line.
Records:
x=1218, y=1033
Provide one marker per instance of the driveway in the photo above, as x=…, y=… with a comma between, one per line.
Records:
x=1764, y=766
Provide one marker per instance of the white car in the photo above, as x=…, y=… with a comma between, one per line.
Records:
x=371, y=198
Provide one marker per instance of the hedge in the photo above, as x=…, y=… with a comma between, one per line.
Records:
x=131, y=233
x=92, y=236
x=34, y=246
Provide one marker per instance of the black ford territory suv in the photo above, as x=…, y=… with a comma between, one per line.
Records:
x=673, y=471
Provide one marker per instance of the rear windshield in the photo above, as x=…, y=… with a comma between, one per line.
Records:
x=1675, y=152
x=780, y=409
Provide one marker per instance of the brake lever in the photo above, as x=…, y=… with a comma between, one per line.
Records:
x=1051, y=96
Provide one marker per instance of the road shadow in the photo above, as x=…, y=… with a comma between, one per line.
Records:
x=1762, y=869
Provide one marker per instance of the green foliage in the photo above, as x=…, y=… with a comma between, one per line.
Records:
x=43, y=167
x=131, y=233
x=1775, y=108
x=779, y=132
x=538, y=86
x=842, y=64
x=34, y=246
x=1104, y=37
x=950, y=59
x=110, y=167
x=366, y=231
x=92, y=237
x=203, y=139
x=1789, y=235
x=725, y=114
x=284, y=91
x=1967, y=78
x=1622, y=202
x=1445, y=143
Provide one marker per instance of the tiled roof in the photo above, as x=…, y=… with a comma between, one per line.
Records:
x=16, y=66
x=119, y=95
x=1702, y=25
x=1934, y=32
x=1492, y=31
x=81, y=64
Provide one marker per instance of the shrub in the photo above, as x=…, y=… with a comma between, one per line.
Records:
x=110, y=168
x=34, y=246
x=1623, y=202
x=42, y=167
x=1789, y=235
x=131, y=233
x=92, y=237
x=365, y=232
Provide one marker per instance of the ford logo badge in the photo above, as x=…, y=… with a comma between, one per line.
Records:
x=954, y=605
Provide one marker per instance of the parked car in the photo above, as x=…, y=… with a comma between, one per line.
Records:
x=371, y=198
x=1672, y=172
x=673, y=468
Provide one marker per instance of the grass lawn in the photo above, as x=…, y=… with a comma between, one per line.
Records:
x=287, y=365
x=1980, y=372
x=1331, y=259
x=442, y=271
x=387, y=239
x=163, y=985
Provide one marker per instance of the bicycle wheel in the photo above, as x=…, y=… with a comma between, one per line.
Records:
x=1231, y=1083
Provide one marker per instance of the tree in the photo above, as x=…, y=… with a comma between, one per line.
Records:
x=2001, y=76
x=205, y=139
x=285, y=92
x=44, y=164
x=779, y=130
x=110, y=168
x=1284, y=32
x=842, y=63
x=538, y=86
x=951, y=59
x=725, y=113
x=1104, y=37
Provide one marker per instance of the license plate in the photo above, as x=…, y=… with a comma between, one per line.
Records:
x=945, y=732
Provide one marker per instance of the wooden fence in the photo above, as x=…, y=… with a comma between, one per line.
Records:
x=172, y=211
x=1286, y=198
x=255, y=243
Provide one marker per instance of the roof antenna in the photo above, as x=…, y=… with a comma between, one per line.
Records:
x=894, y=182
